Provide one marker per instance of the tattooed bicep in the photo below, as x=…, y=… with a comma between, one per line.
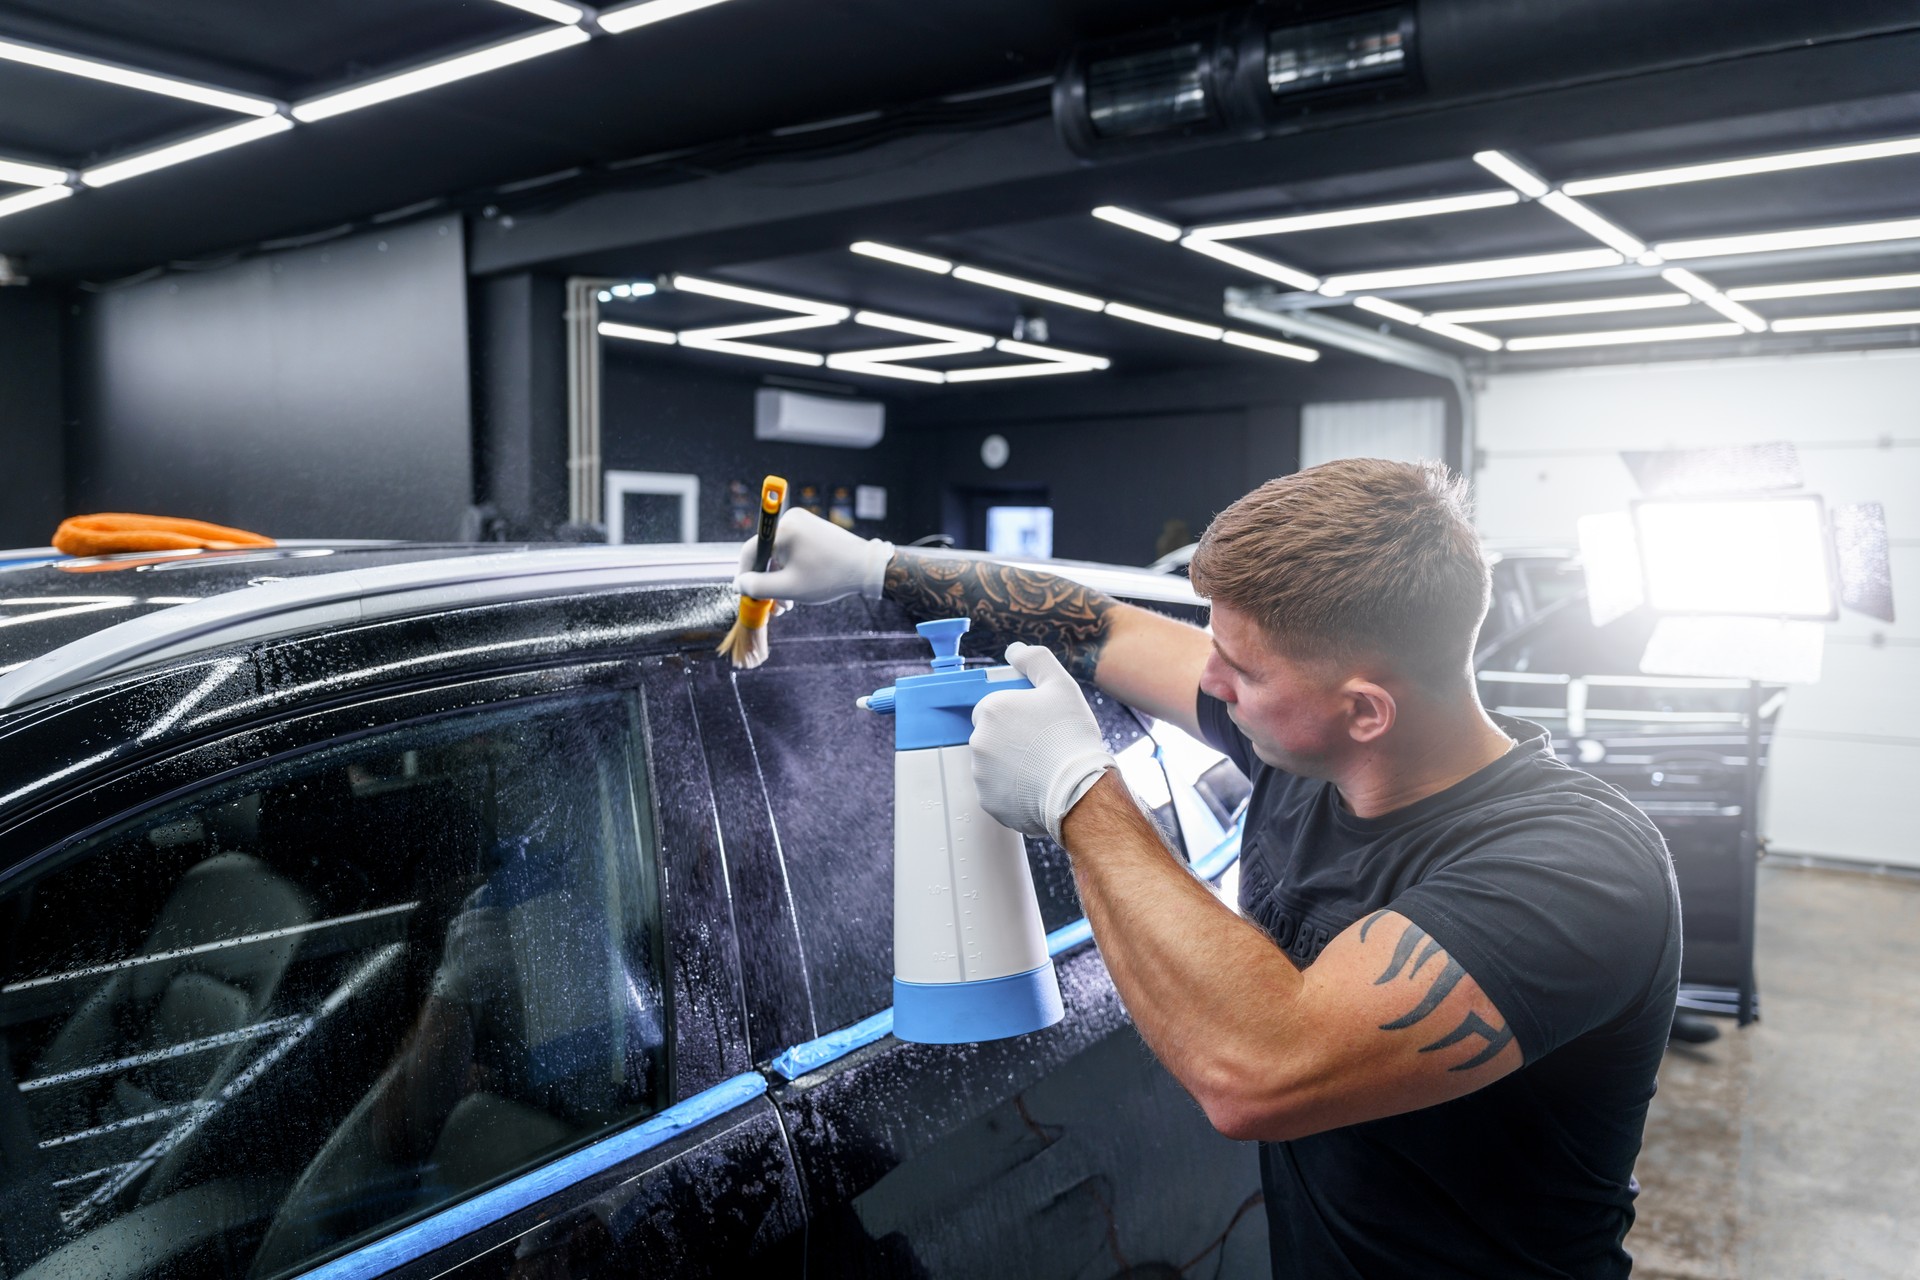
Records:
x=1416, y=1005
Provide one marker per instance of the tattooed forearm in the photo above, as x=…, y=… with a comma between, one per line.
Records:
x=1006, y=604
x=1439, y=987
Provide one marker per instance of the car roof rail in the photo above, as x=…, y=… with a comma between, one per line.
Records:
x=347, y=597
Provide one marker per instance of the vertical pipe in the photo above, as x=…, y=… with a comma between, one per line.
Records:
x=1749, y=853
x=583, y=400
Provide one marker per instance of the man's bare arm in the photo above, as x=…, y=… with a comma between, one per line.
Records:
x=1145, y=659
x=1384, y=1021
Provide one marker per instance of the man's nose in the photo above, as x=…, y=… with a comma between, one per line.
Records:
x=1213, y=681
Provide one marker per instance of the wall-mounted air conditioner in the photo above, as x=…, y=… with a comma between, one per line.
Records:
x=804, y=419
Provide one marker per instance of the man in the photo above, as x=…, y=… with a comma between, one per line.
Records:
x=1442, y=1013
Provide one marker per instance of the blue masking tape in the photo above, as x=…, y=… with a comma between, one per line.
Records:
x=812, y=1054
x=488, y=1207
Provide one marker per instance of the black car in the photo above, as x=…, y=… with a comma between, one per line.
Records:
x=452, y=910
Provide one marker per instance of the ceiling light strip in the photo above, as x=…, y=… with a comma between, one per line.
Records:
x=760, y=328
x=1859, y=320
x=1544, y=310
x=759, y=297
x=990, y=373
x=1028, y=288
x=1160, y=320
x=1822, y=288
x=1620, y=337
x=1253, y=262
x=695, y=341
x=32, y=199
x=1460, y=333
x=1270, y=346
x=435, y=74
x=1593, y=224
x=1803, y=238
x=1775, y=163
x=616, y=21
x=1356, y=216
x=1034, y=351
x=551, y=10
x=1391, y=310
x=920, y=328
x=1513, y=173
x=31, y=175
x=901, y=257
x=845, y=362
x=636, y=333
x=128, y=78
x=1489, y=269
x=205, y=144
x=1706, y=293
x=1137, y=222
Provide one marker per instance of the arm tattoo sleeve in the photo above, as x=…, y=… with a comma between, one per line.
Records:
x=1006, y=604
x=1439, y=986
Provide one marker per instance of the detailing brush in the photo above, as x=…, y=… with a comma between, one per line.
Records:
x=746, y=642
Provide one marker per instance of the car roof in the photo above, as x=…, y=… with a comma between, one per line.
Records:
x=69, y=621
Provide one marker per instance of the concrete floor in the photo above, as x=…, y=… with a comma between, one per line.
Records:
x=1791, y=1150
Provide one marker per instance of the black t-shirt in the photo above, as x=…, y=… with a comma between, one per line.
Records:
x=1557, y=896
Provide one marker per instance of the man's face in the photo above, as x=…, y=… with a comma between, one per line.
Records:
x=1293, y=712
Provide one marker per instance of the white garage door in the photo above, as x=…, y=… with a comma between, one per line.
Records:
x=1849, y=747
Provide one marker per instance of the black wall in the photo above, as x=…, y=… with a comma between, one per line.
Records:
x=663, y=413
x=321, y=392
x=32, y=482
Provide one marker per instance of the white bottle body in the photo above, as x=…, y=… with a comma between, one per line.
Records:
x=963, y=902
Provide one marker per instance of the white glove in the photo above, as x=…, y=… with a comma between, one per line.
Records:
x=819, y=561
x=1036, y=751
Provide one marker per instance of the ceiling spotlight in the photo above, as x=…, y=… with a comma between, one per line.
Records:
x=1618, y=337
x=1027, y=288
x=127, y=78
x=1859, y=320
x=642, y=288
x=180, y=152
x=901, y=257
x=1491, y=269
x=1252, y=262
x=435, y=74
x=1543, y=310
x=622, y=291
x=1512, y=172
x=1391, y=310
x=1140, y=315
x=1137, y=222
x=616, y=21
x=1808, y=238
x=1356, y=217
x=1749, y=165
x=605, y=295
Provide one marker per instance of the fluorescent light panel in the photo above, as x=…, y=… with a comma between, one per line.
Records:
x=1137, y=222
x=901, y=257
x=1775, y=163
x=616, y=21
x=1543, y=310
x=759, y=297
x=1700, y=289
x=635, y=333
x=1776, y=241
x=1159, y=320
x=1822, y=288
x=435, y=74
x=1859, y=320
x=1252, y=262
x=1592, y=223
x=128, y=78
x=1028, y=288
x=1618, y=337
x=1270, y=346
x=205, y=144
x=1356, y=216
x=551, y=10
x=1391, y=310
x=1512, y=172
x=1491, y=269
x=33, y=199
x=31, y=175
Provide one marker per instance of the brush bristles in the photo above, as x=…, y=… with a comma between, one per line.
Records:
x=744, y=646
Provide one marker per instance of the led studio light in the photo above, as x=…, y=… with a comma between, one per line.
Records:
x=1137, y=222
x=636, y=333
x=1271, y=346
x=1621, y=337
x=1780, y=241
x=1547, y=310
x=31, y=175
x=445, y=72
x=1357, y=216
x=616, y=21
x=1388, y=308
x=1028, y=288
x=205, y=144
x=128, y=78
x=1824, y=288
x=551, y=10
x=1253, y=262
x=1535, y=264
x=1855, y=320
x=33, y=199
x=1160, y=320
x=1512, y=172
x=1751, y=557
x=901, y=257
x=1747, y=165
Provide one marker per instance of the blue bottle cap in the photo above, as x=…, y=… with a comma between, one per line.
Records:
x=944, y=635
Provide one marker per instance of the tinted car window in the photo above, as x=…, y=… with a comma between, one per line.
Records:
x=828, y=769
x=259, y=1024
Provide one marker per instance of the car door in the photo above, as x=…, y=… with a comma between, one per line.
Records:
x=442, y=981
x=1063, y=1153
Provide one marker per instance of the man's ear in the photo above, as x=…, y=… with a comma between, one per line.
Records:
x=1371, y=710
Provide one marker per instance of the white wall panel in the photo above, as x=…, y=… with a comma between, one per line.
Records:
x=1850, y=745
x=1404, y=430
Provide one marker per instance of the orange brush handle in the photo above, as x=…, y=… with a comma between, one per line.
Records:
x=773, y=496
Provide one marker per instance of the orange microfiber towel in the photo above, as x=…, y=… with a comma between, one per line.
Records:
x=115, y=531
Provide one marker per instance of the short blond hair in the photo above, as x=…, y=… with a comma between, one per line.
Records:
x=1357, y=558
